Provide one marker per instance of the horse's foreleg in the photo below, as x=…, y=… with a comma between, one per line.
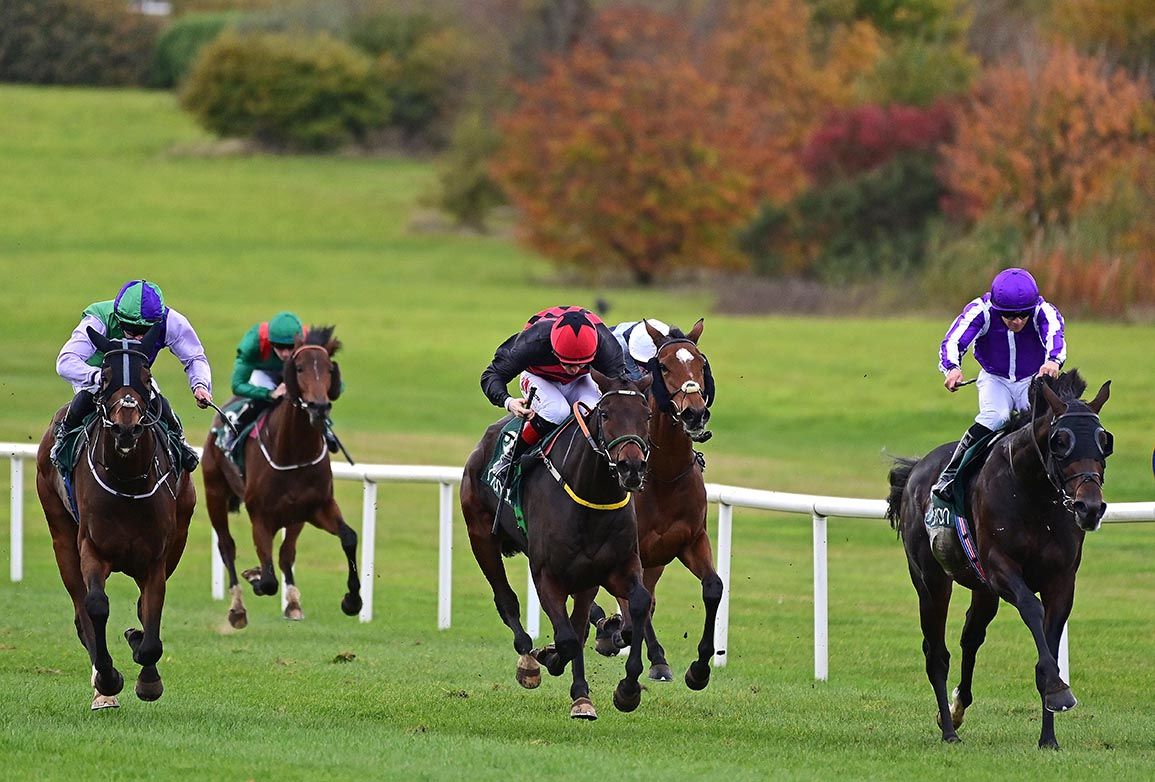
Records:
x=286, y=559
x=579, y=692
x=566, y=645
x=984, y=606
x=330, y=520
x=628, y=584
x=263, y=577
x=107, y=679
x=659, y=668
x=1057, y=602
x=146, y=645
x=699, y=560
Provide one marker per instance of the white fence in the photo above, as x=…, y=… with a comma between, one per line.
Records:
x=728, y=497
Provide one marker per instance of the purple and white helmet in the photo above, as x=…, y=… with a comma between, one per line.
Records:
x=1014, y=290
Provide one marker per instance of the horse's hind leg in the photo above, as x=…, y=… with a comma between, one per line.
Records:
x=263, y=578
x=330, y=520
x=934, y=589
x=699, y=559
x=984, y=606
x=286, y=559
x=608, y=639
x=487, y=552
x=217, y=502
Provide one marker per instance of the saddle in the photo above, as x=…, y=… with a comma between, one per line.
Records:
x=233, y=446
x=506, y=441
x=954, y=517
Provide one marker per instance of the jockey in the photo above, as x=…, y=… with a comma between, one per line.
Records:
x=637, y=347
x=258, y=372
x=137, y=307
x=553, y=353
x=1016, y=335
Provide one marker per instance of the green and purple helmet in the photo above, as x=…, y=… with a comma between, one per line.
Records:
x=139, y=303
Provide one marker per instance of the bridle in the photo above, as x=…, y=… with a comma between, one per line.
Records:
x=1052, y=461
x=670, y=404
x=299, y=403
x=597, y=441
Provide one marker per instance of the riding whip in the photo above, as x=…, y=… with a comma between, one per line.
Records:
x=221, y=413
x=336, y=439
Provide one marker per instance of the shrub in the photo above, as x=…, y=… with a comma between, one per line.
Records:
x=465, y=188
x=285, y=92
x=93, y=42
x=181, y=42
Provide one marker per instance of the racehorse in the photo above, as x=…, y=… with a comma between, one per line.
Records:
x=288, y=480
x=1032, y=502
x=672, y=510
x=582, y=534
x=133, y=505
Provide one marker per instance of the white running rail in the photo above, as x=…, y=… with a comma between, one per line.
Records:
x=728, y=497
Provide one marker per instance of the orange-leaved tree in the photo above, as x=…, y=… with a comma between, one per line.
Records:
x=1043, y=141
x=625, y=152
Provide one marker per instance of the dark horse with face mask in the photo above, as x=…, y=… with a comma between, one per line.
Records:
x=582, y=535
x=133, y=504
x=288, y=480
x=1039, y=492
x=672, y=509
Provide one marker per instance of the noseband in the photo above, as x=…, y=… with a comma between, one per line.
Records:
x=597, y=442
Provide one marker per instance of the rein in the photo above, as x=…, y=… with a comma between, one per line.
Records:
x=161, y=480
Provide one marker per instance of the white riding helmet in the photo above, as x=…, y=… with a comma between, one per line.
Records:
x=641, y=346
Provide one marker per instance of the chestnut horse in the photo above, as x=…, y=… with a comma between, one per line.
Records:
x=1032, y=502
x=288, y=480
x=582, y=535
x=133, y=506
x=672, y=509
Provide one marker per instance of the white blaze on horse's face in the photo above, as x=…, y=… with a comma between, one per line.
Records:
x=684, y=355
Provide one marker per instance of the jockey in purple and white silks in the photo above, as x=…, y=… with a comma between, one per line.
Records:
x=1016, y=335
x=138, y=307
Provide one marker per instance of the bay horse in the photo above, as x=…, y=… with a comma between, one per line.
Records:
x=582, y=535
x=1032, y=502
x=288, y=480
x=133, y=506
x=671, y=510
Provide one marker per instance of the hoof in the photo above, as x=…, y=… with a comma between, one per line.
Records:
x=110, y=686
x=104, y=702
x=627, y=696
x=548, y=656
x=698, y=675
x=661, y=672
x=351, y=604
x=583, y=709
x=149, y=690
x=951, y=738
x=238, y=618
x=1061, y=700
x=608, y=640
x=1051, y=744
x=528, y=672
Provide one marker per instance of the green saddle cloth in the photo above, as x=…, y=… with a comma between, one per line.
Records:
x=506, y=440
x=233, y=447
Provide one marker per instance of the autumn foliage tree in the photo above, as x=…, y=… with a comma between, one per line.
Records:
x=626, y=153
x=1044, y=141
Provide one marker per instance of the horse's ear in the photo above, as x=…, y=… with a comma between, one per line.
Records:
x=334, y=382
x=696, y=331
x=643, y=385
x=1101, y=398
x=656, y=336
x=151, y=337
x=99, y=341
x=603, y=381
x=1058, y=406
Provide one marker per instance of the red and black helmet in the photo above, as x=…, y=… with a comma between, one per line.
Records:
x=573, y=338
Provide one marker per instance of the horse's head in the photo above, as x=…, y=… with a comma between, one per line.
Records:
x=1077, y=450
x=126, y=390
x=620, y=426
x=683, y=385
x=312, y=377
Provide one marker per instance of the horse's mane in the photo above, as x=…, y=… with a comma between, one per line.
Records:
x=323, y=336
x=677, y=333
x=1068, y=386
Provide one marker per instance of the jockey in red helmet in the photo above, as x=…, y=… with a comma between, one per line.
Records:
x=552, y=353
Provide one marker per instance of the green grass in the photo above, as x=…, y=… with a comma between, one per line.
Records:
x=92, y=193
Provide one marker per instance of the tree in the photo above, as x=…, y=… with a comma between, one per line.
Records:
x=1042, y=141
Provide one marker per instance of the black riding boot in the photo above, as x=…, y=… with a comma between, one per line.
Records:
x=501, y=467
x=189, y=459
x=78, y=409
x=944, y=489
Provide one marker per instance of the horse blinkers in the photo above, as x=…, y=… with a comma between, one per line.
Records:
x=1077, y=438
x=692, y=419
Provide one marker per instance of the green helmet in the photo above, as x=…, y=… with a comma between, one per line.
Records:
x=284, y=328
x=139, y=303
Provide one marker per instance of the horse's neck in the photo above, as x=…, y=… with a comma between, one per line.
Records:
x=673, y=450
x=294, y=438
x=587, y=472
x=1026, y=462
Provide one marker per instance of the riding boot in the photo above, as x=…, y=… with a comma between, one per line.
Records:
x=188, y=457
x=944, y=489
x=78, y=409
x=531, y=433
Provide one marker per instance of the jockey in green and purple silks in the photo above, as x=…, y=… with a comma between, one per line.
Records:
x=138, y=307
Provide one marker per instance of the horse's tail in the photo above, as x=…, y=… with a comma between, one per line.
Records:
x=899, y=476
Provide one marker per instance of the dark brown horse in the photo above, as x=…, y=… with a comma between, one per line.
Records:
x=1039, y=492
x=133, y=505
x=672, y=509
x=288, y=480
x=582, y=535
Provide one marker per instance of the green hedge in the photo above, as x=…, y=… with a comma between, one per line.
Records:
x=94, y=42
x=180, y=44
x=287, y=93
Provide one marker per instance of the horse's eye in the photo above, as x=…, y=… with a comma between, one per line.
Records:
x=1105, y=441
x=1062, y=443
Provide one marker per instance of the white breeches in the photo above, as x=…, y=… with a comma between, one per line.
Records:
x=554, y=401
x=999, y=398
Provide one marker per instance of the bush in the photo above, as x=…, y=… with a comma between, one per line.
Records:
x=465, y=188
x=93, y=42
x=181, y=43
x=286, y=92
